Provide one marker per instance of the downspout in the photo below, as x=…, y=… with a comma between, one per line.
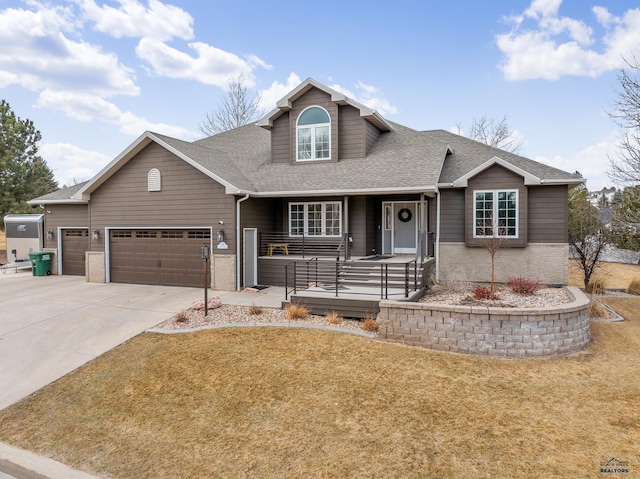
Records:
x=437, y=245
x=238, y=240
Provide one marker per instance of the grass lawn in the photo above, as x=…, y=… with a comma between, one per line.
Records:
x=273, y=403
x=613, y=275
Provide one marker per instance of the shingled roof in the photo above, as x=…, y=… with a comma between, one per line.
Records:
x=402, y=160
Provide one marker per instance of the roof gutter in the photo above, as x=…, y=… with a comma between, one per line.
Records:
x=246, y=197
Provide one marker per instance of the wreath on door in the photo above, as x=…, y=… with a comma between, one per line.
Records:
x=405, y=215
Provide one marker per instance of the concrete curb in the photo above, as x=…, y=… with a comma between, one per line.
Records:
x=259, y=324
x=23, y=464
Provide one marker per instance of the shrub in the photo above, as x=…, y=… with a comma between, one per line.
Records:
x=181, y=317
x=634, y=286
x=255, y=310
x=523, y=286
x=370, y=325
x=296, y=311
x=334, y=318
x=482, y=292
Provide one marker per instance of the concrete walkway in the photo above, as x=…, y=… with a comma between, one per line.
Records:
x=51, y=325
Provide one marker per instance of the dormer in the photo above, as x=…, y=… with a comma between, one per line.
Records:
x=315, y=123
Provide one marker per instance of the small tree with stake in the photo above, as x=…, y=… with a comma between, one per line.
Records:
x=492, y=240
x=588, y=236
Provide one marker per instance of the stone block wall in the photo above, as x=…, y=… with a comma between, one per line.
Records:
x=495, y=332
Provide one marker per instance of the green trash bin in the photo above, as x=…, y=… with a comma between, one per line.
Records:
x=41, y=262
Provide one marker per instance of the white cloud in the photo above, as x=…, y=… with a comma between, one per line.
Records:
x=555, y=46
x=370, y=96
x=277, y=90
x=133, y=19
x=71, y=164
x=86, y=107
x=592, y=162
x=37, y=54
x=210, y=66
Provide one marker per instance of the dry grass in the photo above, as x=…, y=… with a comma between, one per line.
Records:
x=296, y=311
x=370, y=325
x=334, y=318
x=272, y=402
x=634, y=285
x=612, y=275
x=255, y=310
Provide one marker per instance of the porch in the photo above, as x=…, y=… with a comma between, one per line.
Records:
x=354, y=287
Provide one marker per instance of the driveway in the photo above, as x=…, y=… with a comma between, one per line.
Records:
x=50, y=325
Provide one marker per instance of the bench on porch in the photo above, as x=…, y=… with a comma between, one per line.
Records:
x=282, y=246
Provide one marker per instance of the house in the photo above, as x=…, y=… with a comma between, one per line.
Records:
x=603, y=197
x=321, y=182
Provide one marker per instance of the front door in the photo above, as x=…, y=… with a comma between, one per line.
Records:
x=405, y=227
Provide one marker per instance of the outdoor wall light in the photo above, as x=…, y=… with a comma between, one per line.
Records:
x=220, y=236
x=96, y=235
x=49, y=234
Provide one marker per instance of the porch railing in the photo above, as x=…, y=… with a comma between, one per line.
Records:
x=297, y=245
x=340, y=278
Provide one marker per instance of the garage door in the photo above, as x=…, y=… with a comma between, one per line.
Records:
x=166, y=257
x=75, y=242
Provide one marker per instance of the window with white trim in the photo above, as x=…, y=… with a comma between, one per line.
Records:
x=313, y=135
x=315, y=219
x=495, y=214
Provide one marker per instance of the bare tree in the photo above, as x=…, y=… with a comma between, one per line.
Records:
x=588, y=236
x=239, y=107
x=625, y=168
x=494, y=133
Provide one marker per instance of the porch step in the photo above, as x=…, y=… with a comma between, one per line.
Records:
x=347, y=308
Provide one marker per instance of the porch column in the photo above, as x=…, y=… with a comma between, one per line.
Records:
x=346, y=227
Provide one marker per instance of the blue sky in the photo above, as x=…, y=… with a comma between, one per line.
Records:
x=95, y=75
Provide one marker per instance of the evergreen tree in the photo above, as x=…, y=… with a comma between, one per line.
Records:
x=24, y=175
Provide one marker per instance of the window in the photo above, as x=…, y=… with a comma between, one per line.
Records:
x=496, y=214
x=153, y=180
x=315, y=219
x=313, y=133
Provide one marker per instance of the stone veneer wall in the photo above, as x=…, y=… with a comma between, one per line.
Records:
x=223, y=272
x=496, y=332
x=94, y=267
x=547, y=263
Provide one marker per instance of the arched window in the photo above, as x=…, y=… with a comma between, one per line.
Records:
x=153, y=180
x=313, y=132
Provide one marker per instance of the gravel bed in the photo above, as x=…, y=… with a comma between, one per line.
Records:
x=541, y=298
x=231, y=314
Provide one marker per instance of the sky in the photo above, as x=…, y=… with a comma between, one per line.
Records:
x=95, y=75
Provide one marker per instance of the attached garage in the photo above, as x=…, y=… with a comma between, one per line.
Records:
x=170, y=257
x=75, y=242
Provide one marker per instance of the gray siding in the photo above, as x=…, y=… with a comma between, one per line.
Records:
x=497, y=178
x=452, y=216
x=548, y=214
x=57, y=216
x=372, y=134
x=357, y=225
x=281, y=140
x=188, y=198
x=352, y=133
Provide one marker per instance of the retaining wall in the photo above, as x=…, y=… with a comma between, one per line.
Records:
x=496, y=332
